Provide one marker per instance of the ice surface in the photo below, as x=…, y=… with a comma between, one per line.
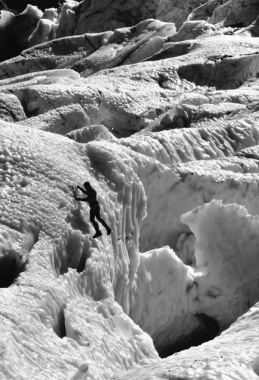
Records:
x=220, y=285
x=158, y=291
x=91, y=133
x=51, y=234
x=179, y=192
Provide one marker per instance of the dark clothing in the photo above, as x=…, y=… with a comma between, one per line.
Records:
x=94, y=209
x=95, y=213
x=91, y=198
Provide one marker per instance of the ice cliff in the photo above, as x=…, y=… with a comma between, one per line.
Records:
x=157, y=107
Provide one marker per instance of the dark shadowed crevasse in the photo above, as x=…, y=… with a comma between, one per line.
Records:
x=13, y=261
x=11, y=266
x=206, y=331
x=60, y=327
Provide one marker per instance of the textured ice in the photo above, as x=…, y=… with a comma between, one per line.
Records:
x=127, y=98
x=50, y=234
x=125, y=42
x=182, y=145
x=90, y=133
x=179, y=190
x=222, y=284
x=124, y=273
x=60, y=120
x=10, y=108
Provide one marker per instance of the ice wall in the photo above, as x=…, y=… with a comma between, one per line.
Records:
x=225, y=286
x=129, y=200
x=225, y=237
x=172, y=300
x=51, y=234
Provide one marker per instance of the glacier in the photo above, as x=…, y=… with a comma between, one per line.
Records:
x=161, y=117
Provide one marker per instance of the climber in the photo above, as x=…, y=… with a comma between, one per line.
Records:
x=94, y=207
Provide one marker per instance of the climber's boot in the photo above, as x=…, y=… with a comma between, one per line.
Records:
x=97, y=234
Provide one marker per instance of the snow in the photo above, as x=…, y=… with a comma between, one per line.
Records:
x=180, y=266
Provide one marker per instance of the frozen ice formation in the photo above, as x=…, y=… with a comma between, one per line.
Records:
x=78, y=17
x=46, y=28
x=231, y=355
x=90, y=133
x=46, y=237
x=162, y=120
x=16, y=29
x=177, y=11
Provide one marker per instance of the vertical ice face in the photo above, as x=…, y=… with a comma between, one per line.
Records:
x=120, y=193
x=226, y=286
x=117, y=168
x=226, y=235
x=63, y=262
x=165, y=297
x=174, y=301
